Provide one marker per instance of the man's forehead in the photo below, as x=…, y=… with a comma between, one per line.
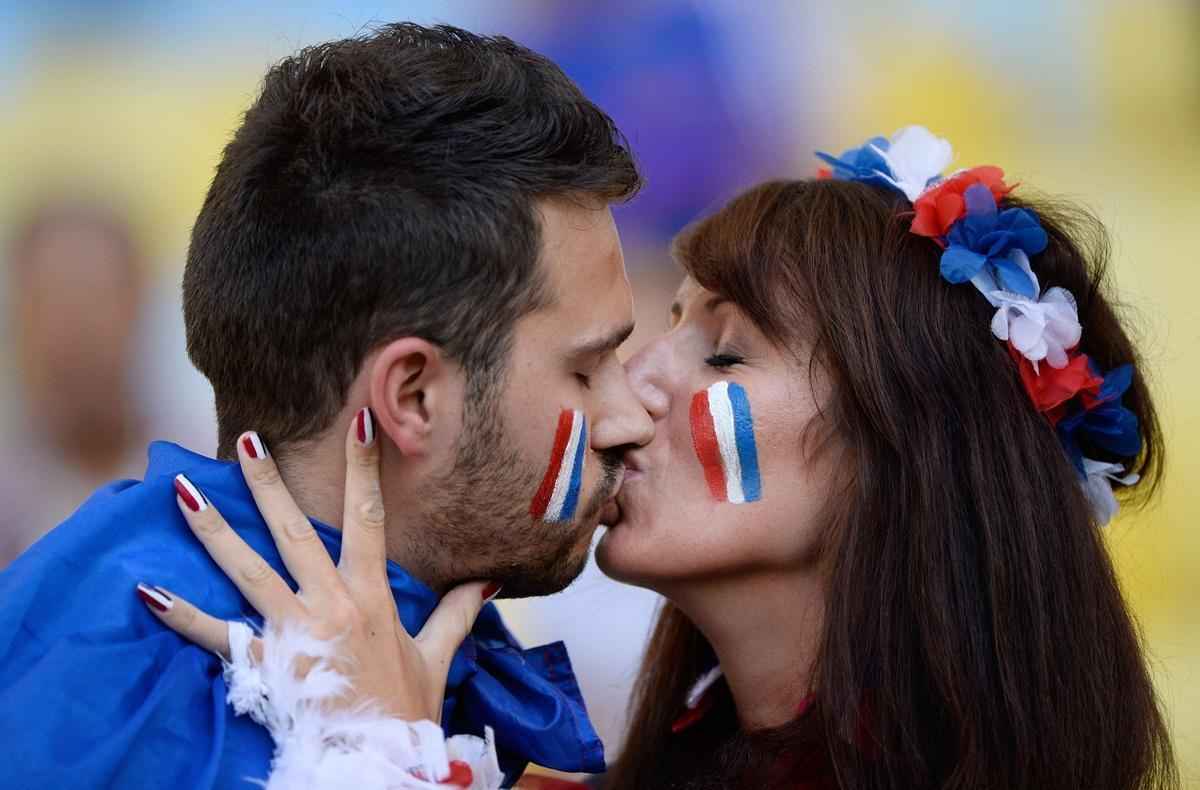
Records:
x=581, y=256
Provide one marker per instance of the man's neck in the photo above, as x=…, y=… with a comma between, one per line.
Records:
x=765, y=631
x=315, y=476
x=317, y=490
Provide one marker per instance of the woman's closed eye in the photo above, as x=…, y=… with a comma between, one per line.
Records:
x=724, y=360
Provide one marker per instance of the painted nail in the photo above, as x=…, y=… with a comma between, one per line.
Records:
x=156, y=598
x=252, y=443
x=366, y=427
x=491, y=591
x=190, y=495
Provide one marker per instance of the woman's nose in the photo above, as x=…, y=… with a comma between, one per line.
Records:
x=648, y=371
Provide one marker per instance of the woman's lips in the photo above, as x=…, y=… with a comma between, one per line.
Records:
x=611, y=513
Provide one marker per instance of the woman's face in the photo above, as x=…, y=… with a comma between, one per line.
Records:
x=732, y=483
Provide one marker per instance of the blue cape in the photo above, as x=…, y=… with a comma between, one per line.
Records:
x=95, y=692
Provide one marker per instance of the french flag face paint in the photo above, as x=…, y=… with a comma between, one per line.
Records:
x=558, y=496
x=723, y=435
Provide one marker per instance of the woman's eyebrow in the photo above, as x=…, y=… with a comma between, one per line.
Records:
x=712, y=304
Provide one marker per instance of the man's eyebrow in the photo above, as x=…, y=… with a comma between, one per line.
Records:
x=606, y=342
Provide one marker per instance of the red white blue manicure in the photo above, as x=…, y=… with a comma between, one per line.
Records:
x=191, y=496
x=252, y=443
x=155, y=597
x=366, y=427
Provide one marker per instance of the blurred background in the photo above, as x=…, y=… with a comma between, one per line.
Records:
x=115, y=114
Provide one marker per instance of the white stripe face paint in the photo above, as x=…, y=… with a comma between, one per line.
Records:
x=722, y=412
x=563, y=483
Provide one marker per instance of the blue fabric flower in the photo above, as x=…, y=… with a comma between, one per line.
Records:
x=862, y=164
x=1107, y=424
x=991, y=242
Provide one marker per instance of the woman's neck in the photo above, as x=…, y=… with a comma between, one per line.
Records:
x=765, y=630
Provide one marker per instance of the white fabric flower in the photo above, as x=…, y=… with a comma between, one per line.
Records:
x=915, y=156
x=358, y=749
x=1044, y=329
x=1097, y=486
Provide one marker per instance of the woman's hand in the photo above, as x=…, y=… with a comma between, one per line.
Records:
x=351, y=602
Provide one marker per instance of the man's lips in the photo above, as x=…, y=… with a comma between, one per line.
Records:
x=632, y=469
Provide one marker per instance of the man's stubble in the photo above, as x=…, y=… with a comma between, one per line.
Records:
x=475, y=521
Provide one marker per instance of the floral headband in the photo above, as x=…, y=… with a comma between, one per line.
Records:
x=990, y=248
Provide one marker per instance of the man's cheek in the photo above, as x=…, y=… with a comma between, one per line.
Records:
x=558, y=495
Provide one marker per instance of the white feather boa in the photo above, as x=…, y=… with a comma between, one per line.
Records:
x=357, y=749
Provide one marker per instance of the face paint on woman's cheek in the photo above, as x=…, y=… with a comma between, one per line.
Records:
x=558, y=495
x=723, y=437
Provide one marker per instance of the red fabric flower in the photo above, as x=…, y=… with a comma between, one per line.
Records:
x=941, y=206
x=824, y=173
x=1052, y=388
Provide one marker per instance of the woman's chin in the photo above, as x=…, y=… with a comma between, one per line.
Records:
x=608, y=554
x=625, y=553
x=620, y=555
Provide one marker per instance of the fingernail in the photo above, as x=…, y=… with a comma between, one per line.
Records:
x=491, y=591
x=156, y=598
x=366, y=427
x=190, y=495
x=252, y=443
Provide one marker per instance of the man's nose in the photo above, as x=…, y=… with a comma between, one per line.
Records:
x=623, y=421
x=647, y=370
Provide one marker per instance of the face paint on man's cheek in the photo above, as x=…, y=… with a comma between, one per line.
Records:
x=723, y=436
x=558, y=495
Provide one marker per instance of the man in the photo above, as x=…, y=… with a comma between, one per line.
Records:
x=416, y=221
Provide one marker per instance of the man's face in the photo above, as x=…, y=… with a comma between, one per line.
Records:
x=540, y=456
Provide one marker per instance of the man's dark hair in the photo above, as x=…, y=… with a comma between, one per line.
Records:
x=383, y=186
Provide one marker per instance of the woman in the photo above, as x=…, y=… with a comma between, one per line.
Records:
x=874, y=518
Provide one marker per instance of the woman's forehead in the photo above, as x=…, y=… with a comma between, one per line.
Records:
x=688, y=291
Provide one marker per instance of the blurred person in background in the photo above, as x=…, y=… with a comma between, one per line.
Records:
x=75, y=292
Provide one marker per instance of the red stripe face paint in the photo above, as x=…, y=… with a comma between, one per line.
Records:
x=704, y=440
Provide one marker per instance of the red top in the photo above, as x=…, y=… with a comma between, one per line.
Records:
x=808, y=768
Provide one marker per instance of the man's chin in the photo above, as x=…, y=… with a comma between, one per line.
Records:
x=551, y=577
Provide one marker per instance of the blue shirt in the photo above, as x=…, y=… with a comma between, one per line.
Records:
x=95, y=692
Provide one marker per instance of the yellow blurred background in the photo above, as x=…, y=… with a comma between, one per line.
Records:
x=127, y=105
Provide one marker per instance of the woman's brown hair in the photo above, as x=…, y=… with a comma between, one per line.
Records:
x=975, y=633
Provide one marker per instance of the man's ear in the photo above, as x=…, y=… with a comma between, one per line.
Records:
x=411, y=389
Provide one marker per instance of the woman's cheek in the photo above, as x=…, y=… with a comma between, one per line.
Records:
x=723, y=440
